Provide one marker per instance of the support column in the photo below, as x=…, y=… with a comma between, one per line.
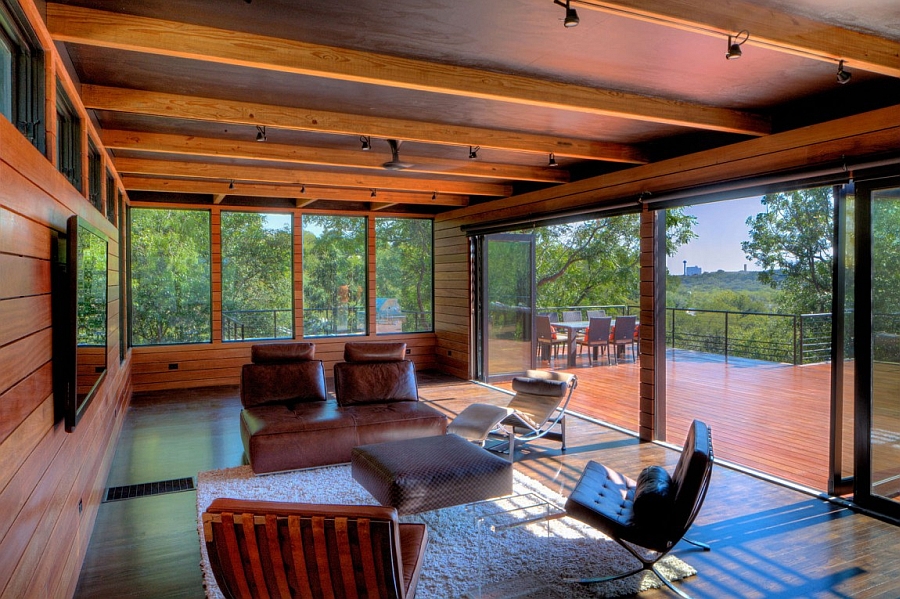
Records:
x=652, y=346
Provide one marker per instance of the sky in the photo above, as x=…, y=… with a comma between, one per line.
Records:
x=721, y=227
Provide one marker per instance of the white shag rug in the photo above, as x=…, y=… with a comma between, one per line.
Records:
x=463, y=559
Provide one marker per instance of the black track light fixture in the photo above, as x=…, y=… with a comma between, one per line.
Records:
x=433, y=196
x=260, y=133
x=374, y=193
x=571, y=19
x=842, y=75
x=473, y=152
x=366, y=142
x=231, y=185
x=552, y=161
x=734, y=44
x=302, y=188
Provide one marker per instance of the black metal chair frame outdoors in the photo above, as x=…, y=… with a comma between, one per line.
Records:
x=604, y=499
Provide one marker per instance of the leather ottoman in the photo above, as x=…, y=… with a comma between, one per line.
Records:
x=429, y=473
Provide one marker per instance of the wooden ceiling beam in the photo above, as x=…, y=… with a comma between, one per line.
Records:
x=771, y=29
x=209, y=44
x=266, y=174
x=213, y=110
x=158, y=143
x=302, y=195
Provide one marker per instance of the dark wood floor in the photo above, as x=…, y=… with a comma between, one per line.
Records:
x=767, y=416
x=767, y=540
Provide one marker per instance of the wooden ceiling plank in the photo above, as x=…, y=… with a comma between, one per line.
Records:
x=260, y=174
x=375, y=206
x=159, y=143
x=197, y=42
x=217, y=198
x=792, y=34
x=167, y=105
x=213, y=187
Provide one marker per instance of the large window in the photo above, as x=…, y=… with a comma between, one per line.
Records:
x=21, y=75
x=257, y=279
x=403, y=263
x=334, y=275
x=95, y=177
x=68, y=138
x=170, y=276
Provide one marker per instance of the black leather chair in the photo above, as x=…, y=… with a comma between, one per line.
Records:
x=648, y=516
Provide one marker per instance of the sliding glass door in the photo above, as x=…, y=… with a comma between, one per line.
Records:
x=506, y=315
x=878, y=342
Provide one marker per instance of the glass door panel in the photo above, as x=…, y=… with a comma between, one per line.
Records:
x=507, y=305
x=878, y=348
x=885, y=404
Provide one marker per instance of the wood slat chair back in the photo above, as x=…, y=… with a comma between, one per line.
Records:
x=262, y=550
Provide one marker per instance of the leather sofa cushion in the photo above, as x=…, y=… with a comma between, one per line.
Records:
x=276, y=353
x=292, y=382
x=279, y=437
x=375, y=382
x=358, y=351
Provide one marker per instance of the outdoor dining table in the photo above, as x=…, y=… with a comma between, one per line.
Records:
x=572, y=328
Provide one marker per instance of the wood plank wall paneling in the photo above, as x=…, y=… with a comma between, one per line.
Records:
x=51, y=481
x=210, y=364
x=452, y=299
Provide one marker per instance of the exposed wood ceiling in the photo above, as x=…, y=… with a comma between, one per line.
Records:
x=180, y=96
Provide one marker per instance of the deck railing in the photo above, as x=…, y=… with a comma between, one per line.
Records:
x=790, y=338
x=240, y=325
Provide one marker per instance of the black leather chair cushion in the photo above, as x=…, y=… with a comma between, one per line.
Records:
x=653, y=496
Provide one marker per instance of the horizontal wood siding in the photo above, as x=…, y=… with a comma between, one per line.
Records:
x=211, y=364
x=51, y=481
x=452, y=299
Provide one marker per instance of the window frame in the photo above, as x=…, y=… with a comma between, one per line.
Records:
x=27, y=74
x=378, y=277
x=68, y=138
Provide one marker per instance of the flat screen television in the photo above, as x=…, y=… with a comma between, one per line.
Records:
x=80, y=289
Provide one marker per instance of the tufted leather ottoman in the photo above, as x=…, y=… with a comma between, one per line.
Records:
x=418, y=475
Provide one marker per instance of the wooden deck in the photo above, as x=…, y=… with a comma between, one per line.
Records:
x=766, y=416
x=767, y=540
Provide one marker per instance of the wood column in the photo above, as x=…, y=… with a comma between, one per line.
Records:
x=652, y=347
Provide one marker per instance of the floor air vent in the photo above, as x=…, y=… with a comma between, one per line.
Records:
x=176, y=485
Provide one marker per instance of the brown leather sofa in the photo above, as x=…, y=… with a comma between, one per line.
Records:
x=289, y=422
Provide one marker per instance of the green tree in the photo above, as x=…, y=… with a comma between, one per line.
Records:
x=257, y=277
x=403, y=256
x=334, y=274
x=170, y=276
x=792, y=242
x=597, y=262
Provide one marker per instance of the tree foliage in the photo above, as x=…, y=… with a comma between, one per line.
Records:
x=170, y=276
x=257, y=273
x=597, y=262
x=792, y=241
x=334, y=274
x=403, y=261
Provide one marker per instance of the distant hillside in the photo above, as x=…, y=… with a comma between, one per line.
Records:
x=740, y=291
x=734, y=281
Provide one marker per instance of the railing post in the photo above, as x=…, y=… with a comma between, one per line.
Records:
x=673, y=328
x=796, y=344
x=726, y=334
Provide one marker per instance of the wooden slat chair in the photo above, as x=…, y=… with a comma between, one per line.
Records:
x=265, y=549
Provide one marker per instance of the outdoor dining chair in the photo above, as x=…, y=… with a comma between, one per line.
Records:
x=597, y=338
x=548, y=340
x=623, y=335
